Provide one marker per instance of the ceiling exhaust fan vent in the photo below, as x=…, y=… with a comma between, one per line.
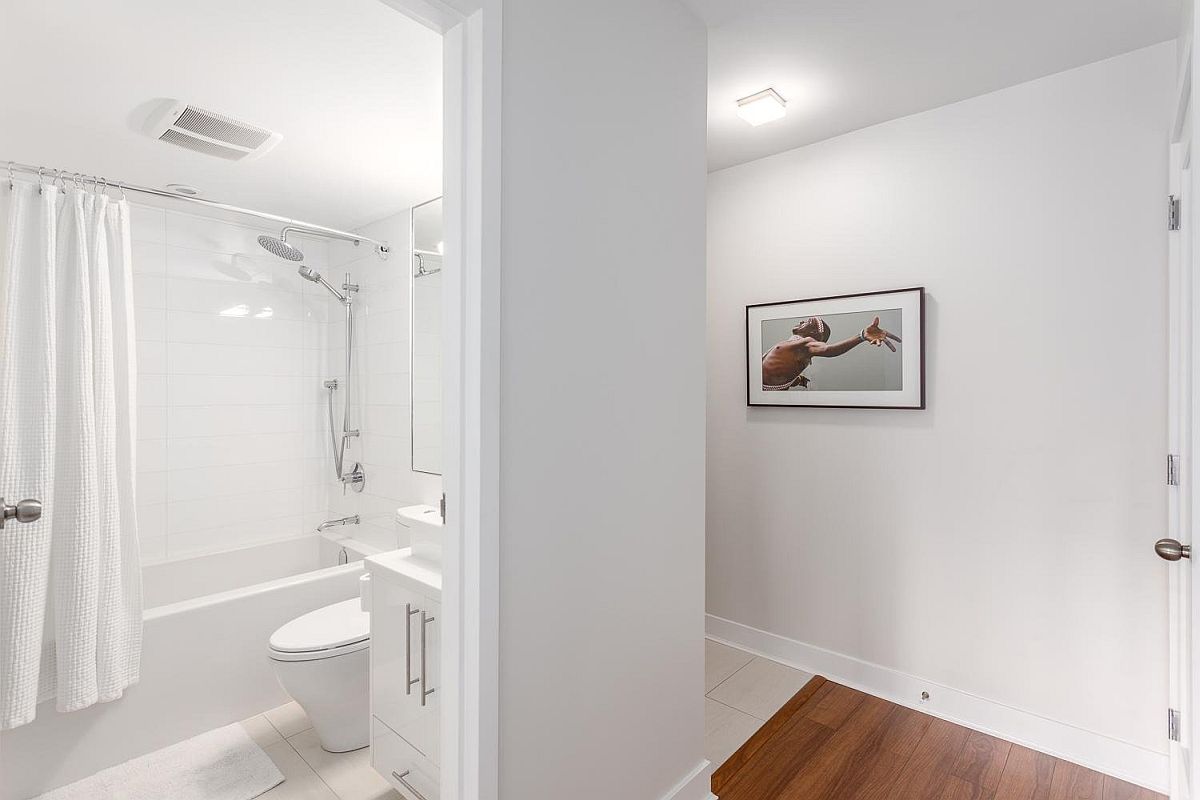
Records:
x=210, y=133
x=205, y=146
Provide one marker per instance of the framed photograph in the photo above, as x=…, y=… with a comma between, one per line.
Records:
x=850, y=351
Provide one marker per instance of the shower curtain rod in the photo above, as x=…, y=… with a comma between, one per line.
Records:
x=52, y=175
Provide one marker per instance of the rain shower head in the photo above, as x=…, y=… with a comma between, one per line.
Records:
x=280, y=248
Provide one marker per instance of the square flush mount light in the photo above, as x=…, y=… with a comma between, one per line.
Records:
x=763, y=107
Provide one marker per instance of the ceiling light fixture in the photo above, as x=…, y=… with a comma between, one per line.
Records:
x=761, y=108
x=183, y=189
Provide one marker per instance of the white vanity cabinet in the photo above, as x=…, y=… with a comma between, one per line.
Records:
x=403, y=596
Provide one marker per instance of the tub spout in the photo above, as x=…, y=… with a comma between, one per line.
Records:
x=333, y=523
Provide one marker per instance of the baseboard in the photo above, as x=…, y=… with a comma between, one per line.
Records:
x=1114, y=757
x=696, y=785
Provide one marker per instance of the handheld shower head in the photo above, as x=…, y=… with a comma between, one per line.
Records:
x=280, y=248
x=310, y=274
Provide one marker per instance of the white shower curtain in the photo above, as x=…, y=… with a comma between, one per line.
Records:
x=70, y=583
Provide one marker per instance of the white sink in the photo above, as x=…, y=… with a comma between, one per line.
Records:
x=424, y=524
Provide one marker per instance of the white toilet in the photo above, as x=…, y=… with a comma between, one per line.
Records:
x=321, y=660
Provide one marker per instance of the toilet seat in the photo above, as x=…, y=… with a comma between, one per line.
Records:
x=335, y=630
x=317, y=655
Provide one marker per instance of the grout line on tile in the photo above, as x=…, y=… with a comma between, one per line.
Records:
x=738, y=710
x=272, y=724
x=310, y=765
x=735, y=672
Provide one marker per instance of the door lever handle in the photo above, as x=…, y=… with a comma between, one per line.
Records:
x=1172, y=550
x=23, y=511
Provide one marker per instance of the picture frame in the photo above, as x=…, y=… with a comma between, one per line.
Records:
x=864, y=350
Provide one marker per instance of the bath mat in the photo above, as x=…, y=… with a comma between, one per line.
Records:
x=224, y=764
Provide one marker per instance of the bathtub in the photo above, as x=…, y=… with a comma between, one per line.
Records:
x=204, y=659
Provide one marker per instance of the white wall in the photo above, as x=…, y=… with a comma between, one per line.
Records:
x=999, y=542
x=230, y=354
x=601, y=431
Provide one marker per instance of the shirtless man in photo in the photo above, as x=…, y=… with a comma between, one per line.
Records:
x=784, y=364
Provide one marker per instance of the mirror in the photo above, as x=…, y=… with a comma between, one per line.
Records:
x=425, y=337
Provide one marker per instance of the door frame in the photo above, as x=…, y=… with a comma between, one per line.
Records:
x=470, y=677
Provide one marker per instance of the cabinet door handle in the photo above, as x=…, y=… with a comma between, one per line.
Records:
x=409, y=680
x=425, y=620
x=400, y=776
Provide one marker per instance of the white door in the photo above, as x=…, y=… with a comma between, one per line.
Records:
x=1179, y=495
x=1182, y=352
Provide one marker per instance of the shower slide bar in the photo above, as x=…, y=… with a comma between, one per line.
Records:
x=47, y=176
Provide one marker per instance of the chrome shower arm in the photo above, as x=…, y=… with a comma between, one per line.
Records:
x=382, y=249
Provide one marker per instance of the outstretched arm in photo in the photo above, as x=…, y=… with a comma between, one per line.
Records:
x=872, y=334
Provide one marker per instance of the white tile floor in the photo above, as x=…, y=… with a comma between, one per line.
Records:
x=309, y=772
x=742, y=691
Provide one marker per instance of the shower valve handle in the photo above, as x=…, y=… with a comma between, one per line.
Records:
x=23, y=511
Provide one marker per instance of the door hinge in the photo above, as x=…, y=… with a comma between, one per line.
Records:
x=1174, y=220
x=1172, y=470
x=1172, y=725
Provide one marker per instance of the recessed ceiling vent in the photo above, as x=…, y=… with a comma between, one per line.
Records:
x=210, y=133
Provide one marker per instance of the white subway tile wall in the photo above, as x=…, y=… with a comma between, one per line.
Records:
x=382, y=409
x=230, y=359
x=233, y=348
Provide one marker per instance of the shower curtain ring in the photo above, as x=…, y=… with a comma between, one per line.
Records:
x=10, y=176
x=103, y=186
x=122, y=188
x=41, y=172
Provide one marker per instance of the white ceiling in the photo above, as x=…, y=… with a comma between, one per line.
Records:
x=846, y=64
x=353, y=86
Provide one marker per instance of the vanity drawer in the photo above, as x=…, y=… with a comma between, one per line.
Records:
x=412, y=774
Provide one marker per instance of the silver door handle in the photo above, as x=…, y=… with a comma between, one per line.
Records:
x=425, y=620
x=23, y=511
x=400, y=776
x=409, y=680
x=1172, y=550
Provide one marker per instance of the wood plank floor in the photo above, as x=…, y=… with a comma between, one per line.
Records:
x=830, y=742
